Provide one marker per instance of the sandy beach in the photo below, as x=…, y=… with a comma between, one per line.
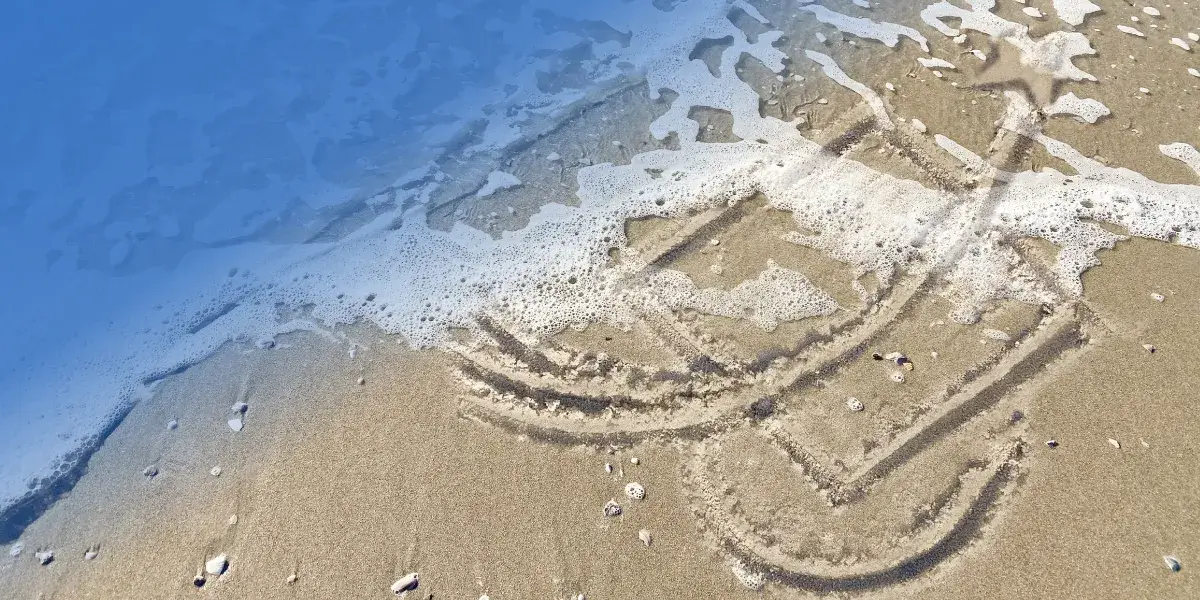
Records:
x=847, y=358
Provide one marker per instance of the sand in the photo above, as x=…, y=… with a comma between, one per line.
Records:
x=482, y=467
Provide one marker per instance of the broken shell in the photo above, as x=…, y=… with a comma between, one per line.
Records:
x=91, y=553
x=216, y=565
x=1172, y=563
x=239, y=407
x=172, y=425
x=898, y=376
x=292, y=578
x=1052, y=443
x=1114, y=443
x=893, y=355
x=612, y=509
x=236, y=424
x=233, y=520
x=215, y=471
x=996, y=334
x=635, y=491
x=645, y=536
x=635, y=461
x=362, y=381
x=150, y=471
x=199, y=579
x=1157, y=297
x=44, y=557
x=748, y=578
x=405, y=584
x=1149, y=348
x=608, y=467
x=854, y=404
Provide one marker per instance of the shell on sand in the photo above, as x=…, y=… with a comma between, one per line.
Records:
x=1172, y=563
x=612, y=509
x=854, y=404
x=645, y=536
x=239, y=407
x=216, y=565
x=236, y=424
x=406, y=584
x=635, y=490
x=44, y=557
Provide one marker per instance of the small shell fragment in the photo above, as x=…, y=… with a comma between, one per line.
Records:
x=362, y=381
x=406, y=584
x=292, y=578
x=612, y=509
x=172, y=425
x=854, y=404
x=635, y=491
x=1052, y=443
x=150, y=471
x=645, y=536
x=1150, y=10
x=1149, y=348
x=1114, y=443
x=216, y=565
x=239, y=407
x=44, y=557
x=1157, y=297
x=635, y=461
x=236, y=424
x=608, y=467
x=215, y=471
x=92, y=552
x=996, y=334
x=898, y=376
x=1172, y=563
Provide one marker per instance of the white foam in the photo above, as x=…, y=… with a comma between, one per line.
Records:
x=777, y=295
x=1073, y=12
x=887, y=33
x=1085, y=109
x=1185, y=153
x=497, y=180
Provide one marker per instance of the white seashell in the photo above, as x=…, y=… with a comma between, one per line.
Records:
x=239, y=407
x=292, y=578
x=233, y=520
x=1157, y=297
x=996, y=334
x=1172, y=563
x=1144, y=90
x=889, y=86
x=362, y=381
x=612, y=509
x=1033, y=12
x=645, y=536
x=608, y=467
x=44, y=557
x=236, y=424
x=1193, y=72
x=485, y=597
x=748, y=578
x=919, y=126
x=1114, y=443
x=635, y=491
x=1149, y=348
x=635, y=461
x=1195, y=37
x=16, y=549
x=854, y=404
x=216, y=565
x=1181, y=44
x=150, y=471
x=405, y=584
x=172, y=425
x=1150, y=10
x=898, y=376
x=215, y=471
x=91, y=553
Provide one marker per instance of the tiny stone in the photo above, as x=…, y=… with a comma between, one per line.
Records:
x=199, y=580
x=635, y=461
x=292, y=578
x=1150, y=10
x=889, y=86
x=1144, y=90
x=215, y=471
x=362, y=381
x=608, y=467
x=612, y=509
x=172, y=425
x=635, y=491
x=233, y=520
x=854, y=404
x=90, y=555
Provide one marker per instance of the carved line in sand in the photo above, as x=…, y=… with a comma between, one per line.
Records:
x=565, y=396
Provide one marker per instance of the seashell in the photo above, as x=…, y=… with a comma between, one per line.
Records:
x=236, y=424
x=996, y=334
x=635, y=461
x=215, y=471
x=1114, y=443
x=748, y=578
x=612, y=509
x=893, y=356
x=239, y=407
x=44, y=557
x=16, y=549
x=645, y=536
x=406, y=584
x=1157, y=297
x=292, y=578
x=1052, y=443
x=635, y=491
x=608, y=467
x=1172, y=563
x=172, y=425
x=898, y=376
x=91, y=553
x=199, y=580
x=216, y=565
x=362, y=381
x=233, y=520
x=1149, y=348
x=150, y=471
x=854, y=404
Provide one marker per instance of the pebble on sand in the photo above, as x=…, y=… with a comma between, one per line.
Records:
x=1157, y=297
x=362, y=381
x=1114, y=443
x=635, y=461
x=236, y=424
x=854, y=404
x=172, y=425
x=92, y=552
x=1052, y=443
x=150, y=471
x=215, y=471
x=44, y=557
x=612, y=509
x=239, y=407
x=406, y=584
x=216, y=565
